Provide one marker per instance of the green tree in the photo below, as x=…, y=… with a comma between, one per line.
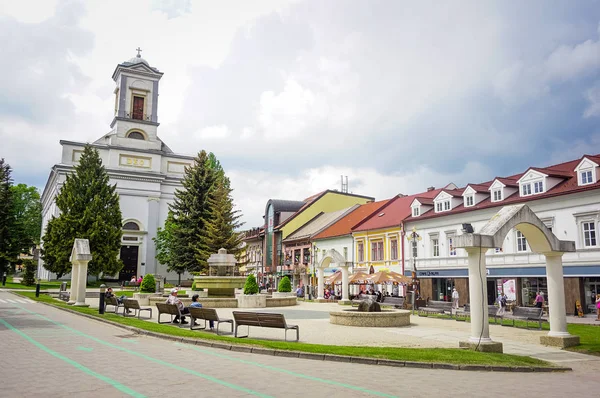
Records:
x=190, y=212
x=166, y=247
x=285, y=285
x=223, y=222
x=148, y=284
x=27, y=215
x=6, y=216
x=29, y=274
x=250, y=287
x=90, y=209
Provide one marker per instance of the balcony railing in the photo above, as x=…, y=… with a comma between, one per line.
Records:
x=137, y=116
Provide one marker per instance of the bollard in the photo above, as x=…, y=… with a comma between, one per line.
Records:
x=102, y=297
x=4, y=279
x=37, y=288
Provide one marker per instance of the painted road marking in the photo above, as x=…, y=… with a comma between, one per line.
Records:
x=73, y=363
x=2, y=301
x=152, y=359
x=288, y=372
x=11, y=301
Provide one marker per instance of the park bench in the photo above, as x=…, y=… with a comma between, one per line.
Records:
x=62, y=293
x=207, y=314
x=134, y=285
x=436, y=307
x=527, y=314
x=114, y=302
x=396, y=302
x=170, y=309
x=131, y=304
x=463, y=313
x=263, y=320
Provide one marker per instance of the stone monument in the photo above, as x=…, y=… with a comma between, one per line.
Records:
x=80, y=257
x=221, y=281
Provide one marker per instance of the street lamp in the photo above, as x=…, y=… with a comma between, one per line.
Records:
x=414, y=237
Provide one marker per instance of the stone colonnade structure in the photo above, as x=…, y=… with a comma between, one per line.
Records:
x=80, y=257
x=541, y=240
x=332, y=256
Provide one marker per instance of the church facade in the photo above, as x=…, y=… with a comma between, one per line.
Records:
x=145, y=170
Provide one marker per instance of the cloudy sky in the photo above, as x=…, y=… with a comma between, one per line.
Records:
x=290, y=95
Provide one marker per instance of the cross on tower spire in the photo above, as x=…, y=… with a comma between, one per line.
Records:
x=139, y=50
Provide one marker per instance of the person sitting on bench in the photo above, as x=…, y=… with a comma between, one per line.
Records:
x=173, y=299
x=195, y=303
x=109, y=293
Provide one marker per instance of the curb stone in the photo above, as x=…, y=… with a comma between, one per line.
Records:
x=313, y=356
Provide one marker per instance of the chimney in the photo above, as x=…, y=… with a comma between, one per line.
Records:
x=430, y=189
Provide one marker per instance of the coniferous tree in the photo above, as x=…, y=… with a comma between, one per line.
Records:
x=6, y=216
x=190, y=212
x=224, y=220
x=89, y=210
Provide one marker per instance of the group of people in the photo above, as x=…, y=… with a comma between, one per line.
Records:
x=183, y=310
x=136, y=280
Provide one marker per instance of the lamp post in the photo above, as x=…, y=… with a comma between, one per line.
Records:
x=414, y=237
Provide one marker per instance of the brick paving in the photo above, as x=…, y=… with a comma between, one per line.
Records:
x=48, y=352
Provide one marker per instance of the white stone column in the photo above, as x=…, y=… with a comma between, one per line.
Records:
x=81, y=284
x=74, y=282
x=345, y=296
x=556, y=295
x=321, y=284
x=480, y=327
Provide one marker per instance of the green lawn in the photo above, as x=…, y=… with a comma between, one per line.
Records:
x=18, y=285
x=589, y=336
x=433, y=355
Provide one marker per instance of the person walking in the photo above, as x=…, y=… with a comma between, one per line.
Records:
x=539, y=300
x=598, y=307
x=455, y=298
x=502, y=299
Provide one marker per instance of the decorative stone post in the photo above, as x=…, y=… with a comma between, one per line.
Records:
x=74, y=281
x=558, y=335
x=80, y=257
x=480, y=327
x=321, y=284
x=345, y=297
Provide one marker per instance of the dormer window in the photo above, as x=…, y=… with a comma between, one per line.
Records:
x=497, y=195
x=415, y=212
x=586, y=177
x=469, y=201
x=538, y=187
x=525, y=189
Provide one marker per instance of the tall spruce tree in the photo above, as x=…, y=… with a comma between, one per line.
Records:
x=90, y=209
x=223, y=222
x=6, y=216
x=191, y=210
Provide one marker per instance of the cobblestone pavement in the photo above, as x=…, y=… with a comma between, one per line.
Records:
x=48, y=352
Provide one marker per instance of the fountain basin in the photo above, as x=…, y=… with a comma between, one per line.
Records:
x=383, y=319
x=220, y=286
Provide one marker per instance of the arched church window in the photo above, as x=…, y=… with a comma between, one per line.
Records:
x=136, y=135
x=131, y=226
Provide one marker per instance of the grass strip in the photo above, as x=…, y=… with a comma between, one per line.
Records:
x=429, y=355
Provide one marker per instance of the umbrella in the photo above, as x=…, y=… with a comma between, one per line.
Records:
x=400, y=278
x=381, y=277
x=359, y=277
x=335, y=278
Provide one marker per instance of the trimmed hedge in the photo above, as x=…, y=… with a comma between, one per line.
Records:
x=148, y=284
x=250, y=287
x=285, y=286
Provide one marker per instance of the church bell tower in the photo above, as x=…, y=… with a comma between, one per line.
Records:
x=136, y=104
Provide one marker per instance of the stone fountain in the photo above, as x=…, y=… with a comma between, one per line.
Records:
x=221, y=281
x=370, y=314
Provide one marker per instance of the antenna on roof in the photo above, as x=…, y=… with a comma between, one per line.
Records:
x=344, y=184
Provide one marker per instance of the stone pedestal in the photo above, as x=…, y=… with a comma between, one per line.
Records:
x=488, y=346
x=560, y=341
x=252, y=301
x=80, y=257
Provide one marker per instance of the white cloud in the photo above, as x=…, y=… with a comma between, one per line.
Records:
x=593, y=97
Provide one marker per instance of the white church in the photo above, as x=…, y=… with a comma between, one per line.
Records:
x=145, y=170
